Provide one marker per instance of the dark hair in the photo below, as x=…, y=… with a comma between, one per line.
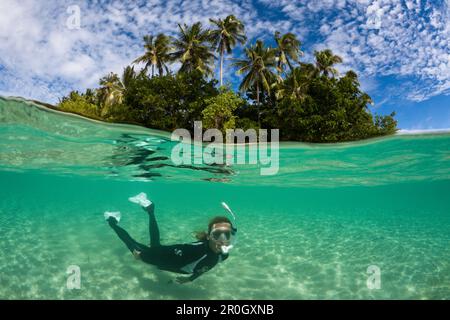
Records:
x=202, y=235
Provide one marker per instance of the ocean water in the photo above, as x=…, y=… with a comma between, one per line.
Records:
x=316, y=230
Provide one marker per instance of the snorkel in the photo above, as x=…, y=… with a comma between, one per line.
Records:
x=227, y=248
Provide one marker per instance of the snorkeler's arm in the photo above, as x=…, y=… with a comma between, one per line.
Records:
x=180, y=280
x=200, y=269
x=195, y=275
x=187, y=279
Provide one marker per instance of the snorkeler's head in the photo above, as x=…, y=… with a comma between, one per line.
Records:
x=219, y=234
x=218, y=220
x=220, y=237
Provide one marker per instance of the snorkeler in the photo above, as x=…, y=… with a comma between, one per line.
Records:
x=194, y=258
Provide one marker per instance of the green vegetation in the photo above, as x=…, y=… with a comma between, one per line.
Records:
x=225, y=36
x=219, y=111
x=306, y=101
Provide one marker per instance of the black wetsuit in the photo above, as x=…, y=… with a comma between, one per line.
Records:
x=194, y=258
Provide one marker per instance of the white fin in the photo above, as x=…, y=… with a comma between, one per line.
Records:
x=116, y=215
x=141, y=199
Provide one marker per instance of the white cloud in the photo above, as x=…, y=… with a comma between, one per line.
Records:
x=408, y=39
x=324, y=29
x=35, y=42
x=43, y=59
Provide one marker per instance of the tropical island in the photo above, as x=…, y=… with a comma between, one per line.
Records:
x=308, y=102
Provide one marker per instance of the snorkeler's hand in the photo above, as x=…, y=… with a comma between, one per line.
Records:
x=181, y=280
x=137, y=254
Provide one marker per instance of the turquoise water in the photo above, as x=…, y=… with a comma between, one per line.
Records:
x=309, y=232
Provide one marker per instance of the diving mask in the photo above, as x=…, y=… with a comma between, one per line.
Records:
x=225, y=236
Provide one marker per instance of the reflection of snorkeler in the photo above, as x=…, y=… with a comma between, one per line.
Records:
x=193, y=258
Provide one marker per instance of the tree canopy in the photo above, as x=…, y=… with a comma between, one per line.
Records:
x=307, y=101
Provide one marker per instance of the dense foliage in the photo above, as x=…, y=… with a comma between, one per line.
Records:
x=306, y=101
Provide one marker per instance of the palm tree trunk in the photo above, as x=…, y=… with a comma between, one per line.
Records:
x=153, y=70
x=257, y=100
x=289, y=64
x=221, y=65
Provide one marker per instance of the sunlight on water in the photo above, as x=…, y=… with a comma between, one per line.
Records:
x=309, y=232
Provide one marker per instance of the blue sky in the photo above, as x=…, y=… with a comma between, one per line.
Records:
x=400, y=49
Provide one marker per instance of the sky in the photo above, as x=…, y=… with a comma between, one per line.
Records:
x=400, y=49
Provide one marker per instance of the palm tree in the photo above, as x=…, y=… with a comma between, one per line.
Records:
x=91, y=96
x=111, y=90
x=113, y=87
x=257, y=67
x=225, y=36
x=296, y=84
x=325, y=60
x=192, y=49
x=364, y=97
x=157, y=53
x=127, y=76
x=288, y=46
x=308, y=70
x=352, y=75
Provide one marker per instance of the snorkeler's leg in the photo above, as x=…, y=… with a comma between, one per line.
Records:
x=153, y=225
x=131, y=244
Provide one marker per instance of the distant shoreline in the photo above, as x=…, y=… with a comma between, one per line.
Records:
x=167, y=134
x=421, y=131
